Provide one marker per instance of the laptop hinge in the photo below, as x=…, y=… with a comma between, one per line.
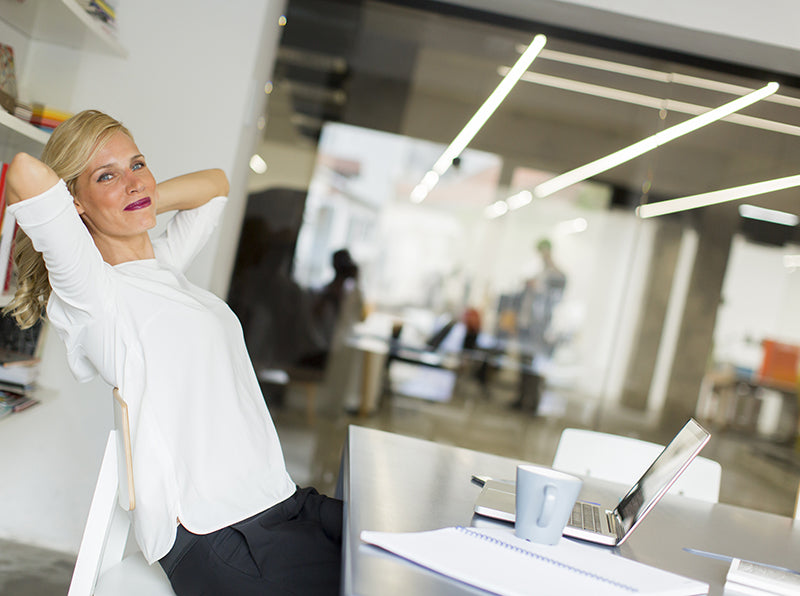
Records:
x=614, y=523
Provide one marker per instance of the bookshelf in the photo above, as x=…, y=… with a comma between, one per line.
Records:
x=17, y=135
x=59, y=22
x=62, y=22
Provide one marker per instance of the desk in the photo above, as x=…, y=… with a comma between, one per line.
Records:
x=394, y=483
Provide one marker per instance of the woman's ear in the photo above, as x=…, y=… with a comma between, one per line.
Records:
x=78, y=207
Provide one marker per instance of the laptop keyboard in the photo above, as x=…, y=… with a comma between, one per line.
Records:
x=586, y=516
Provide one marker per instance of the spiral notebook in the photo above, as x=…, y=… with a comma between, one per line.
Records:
x=495, y=560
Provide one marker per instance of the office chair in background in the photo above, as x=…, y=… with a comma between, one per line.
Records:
x=623, y=459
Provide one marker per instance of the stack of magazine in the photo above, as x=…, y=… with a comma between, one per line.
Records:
x=17, y=375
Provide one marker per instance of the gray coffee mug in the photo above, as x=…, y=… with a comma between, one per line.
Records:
x=545, y=498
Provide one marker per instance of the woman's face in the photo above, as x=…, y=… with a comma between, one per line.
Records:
x=116, y=194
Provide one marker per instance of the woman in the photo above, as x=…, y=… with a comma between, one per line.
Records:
x=215, y=504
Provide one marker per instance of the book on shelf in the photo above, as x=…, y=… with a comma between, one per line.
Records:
x=8, y=78
x=103, y=10
x=11, y=403
x=8, y=230
x=20, y=351
x=13, y=358
x=47, y=117
x=23, y=111
x=19, y=372
x=8, y=103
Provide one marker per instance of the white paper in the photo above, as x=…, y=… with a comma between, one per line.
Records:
x=497, y=561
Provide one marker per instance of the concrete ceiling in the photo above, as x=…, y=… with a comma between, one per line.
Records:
x=423, y=74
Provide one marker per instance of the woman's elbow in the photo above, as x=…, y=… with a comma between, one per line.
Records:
x=221, y=182
x=27, y=177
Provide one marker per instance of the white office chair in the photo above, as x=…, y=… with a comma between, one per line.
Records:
x=104, y=566
x=624, y=460
x=797, y=505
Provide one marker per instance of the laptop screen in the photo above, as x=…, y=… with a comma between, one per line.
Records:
x=661, y=474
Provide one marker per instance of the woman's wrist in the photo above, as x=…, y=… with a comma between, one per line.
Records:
x=191, y=190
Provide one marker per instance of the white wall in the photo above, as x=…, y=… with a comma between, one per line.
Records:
x=759, y=301
x=288, y=166
x=190, y=91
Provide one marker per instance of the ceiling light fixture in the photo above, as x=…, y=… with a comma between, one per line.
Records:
x=520, y=199
x=496, y=209
x=257, y=164
x=477, y=121
x=768, y=215
x=501, y=207
x=656, y=75
x=715, y=197
x=648, y=101
x=612, y=160
x=571, y=226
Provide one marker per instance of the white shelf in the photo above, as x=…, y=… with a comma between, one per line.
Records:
x=62, y=22
x=17, y=135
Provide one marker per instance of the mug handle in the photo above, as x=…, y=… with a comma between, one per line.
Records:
x=548, y=507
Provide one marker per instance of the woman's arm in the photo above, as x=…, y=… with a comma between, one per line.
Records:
x=27, y=177
x=191, y=190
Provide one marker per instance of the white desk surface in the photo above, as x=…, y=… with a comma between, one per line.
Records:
x=396, y=483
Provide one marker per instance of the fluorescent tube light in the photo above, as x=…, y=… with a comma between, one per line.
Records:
x=717, y=196
x=768, y=215
x=648, y=144
x=656, y=75
x=571, y=226
x=648, y=101
x=480, y=117
x=496, y=209
x=520, y=199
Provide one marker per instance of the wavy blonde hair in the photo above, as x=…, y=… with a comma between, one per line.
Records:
x=71, y=147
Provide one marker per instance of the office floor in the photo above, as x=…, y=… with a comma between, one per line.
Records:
x=756, y=474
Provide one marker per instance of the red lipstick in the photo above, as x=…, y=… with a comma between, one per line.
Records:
x=140, y=204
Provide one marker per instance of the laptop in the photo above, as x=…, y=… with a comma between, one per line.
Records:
x=604, y=525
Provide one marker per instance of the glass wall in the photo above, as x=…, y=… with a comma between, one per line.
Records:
x=646, y=310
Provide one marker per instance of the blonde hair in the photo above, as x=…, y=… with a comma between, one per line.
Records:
x=71, y=147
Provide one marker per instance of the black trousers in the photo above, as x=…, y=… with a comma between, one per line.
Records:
x=293, y=548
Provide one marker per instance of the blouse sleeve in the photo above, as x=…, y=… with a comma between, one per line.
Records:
x=187, y=233
x=76, y=269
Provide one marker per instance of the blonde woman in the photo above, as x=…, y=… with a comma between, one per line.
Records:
x=215, y=504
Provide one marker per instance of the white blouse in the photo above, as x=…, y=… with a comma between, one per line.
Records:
x=205, y=449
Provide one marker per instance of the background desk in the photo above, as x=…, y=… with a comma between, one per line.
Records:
x=394, y=483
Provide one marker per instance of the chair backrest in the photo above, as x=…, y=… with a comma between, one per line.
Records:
x=624, y=459
x=103, y=566
x=127, y=494
x=797, y=505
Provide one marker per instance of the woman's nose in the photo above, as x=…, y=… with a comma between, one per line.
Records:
x=134, y=183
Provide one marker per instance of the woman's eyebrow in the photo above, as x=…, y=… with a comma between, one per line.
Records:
x=108, y=165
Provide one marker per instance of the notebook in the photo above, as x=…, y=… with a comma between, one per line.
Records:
x=494, y=559
x=611, y=525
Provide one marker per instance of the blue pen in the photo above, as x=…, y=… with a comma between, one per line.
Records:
x=727, y=558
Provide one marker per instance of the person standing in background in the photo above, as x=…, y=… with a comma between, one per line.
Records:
x=540, y=296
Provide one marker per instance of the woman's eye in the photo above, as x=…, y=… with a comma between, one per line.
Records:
x=138, y=165
x=104, y=177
